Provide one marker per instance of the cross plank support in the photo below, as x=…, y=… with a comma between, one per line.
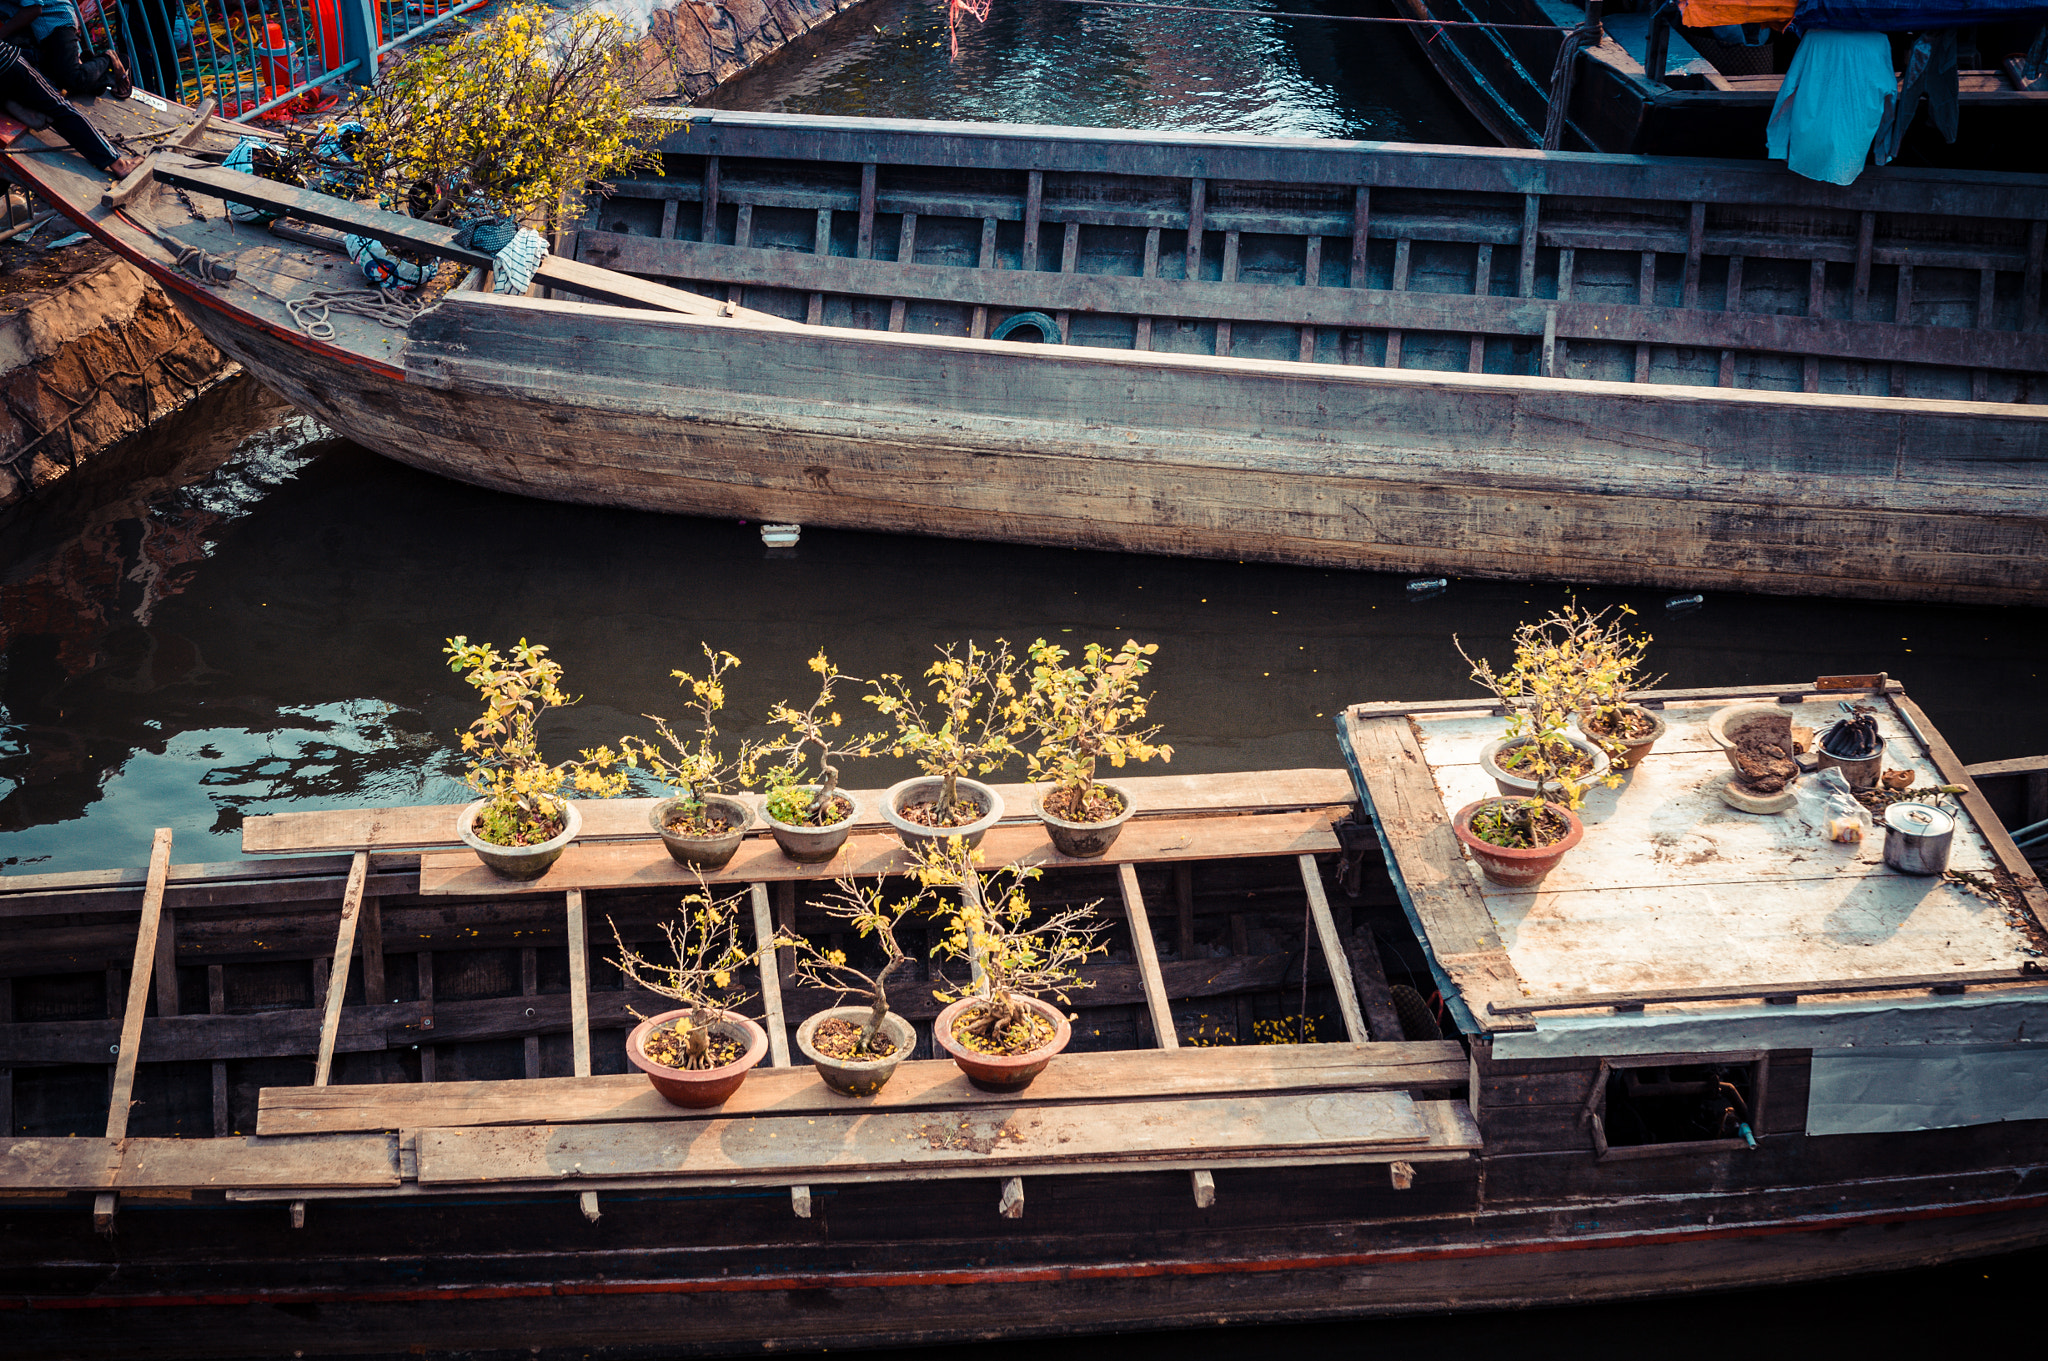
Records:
x=1333, y=951
x=1156, y=1006
x=579, y=1015
x=337, y=986
x=771, y=1003
x=122, y=1098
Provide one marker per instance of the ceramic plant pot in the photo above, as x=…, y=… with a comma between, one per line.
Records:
x=857, y=1077
x=1633, y=749
x=925, y=788
x=701, y=1086
x=1516, y=786
x=1728, y=727
x=813, y=845
x=704, y=852
x=1515, y=868
x=517, y=862
x=1086, y=840
x=999, y=1072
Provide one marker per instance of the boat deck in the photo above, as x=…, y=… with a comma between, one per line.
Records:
x=1675, y=902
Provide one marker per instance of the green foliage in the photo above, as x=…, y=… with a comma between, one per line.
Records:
x=1507, y=824
x=523, y=110
x=808, y=734
x=704, y=950
x=520, y=789
x=693, y=768
x=1083, y=713
x=966, y=727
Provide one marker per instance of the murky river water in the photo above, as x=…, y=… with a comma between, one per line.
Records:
x=248, y=617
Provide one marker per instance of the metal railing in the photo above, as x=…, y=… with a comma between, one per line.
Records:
x=279, y=58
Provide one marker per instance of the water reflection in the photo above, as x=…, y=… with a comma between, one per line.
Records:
x=1042, y=61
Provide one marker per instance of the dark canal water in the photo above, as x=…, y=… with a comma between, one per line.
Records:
x=245, y=616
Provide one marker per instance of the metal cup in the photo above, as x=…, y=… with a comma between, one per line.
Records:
x=1917, y=837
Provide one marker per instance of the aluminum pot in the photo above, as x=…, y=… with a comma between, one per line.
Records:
x=1917, y=837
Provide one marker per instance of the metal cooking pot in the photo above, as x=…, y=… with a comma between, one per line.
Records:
x=1917, y=837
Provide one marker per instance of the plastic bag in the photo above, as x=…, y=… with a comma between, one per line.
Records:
x=1826, y=803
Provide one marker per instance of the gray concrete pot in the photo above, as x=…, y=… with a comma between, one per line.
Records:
x=518, y=862
x=1515, y=786
x=857, y=1077
x=926, y=787
x=812, y=845
x=704, y=852
x=1086, y=840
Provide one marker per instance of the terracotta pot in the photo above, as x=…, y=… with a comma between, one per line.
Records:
x=704, y=852
x=857, y=1077
x=1515, y=868
x=925, y=788
x=1516, y=786
x=1001, y=1073
x=1086, y=840
x=1633, y=751
x=1728, y=725
x=518, y=862
x=812, y=845
x=700, y=1086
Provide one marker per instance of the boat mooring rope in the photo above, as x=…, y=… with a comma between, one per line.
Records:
x=314, y=313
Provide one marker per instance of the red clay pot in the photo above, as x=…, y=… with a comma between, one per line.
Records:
x=1515, y=868
x=701, y=1086
x=1001, y=1073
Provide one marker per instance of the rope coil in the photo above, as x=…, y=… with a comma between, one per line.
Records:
x=314, y=314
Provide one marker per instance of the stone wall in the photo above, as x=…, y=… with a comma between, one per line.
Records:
x=95, y=357
x=704, y=43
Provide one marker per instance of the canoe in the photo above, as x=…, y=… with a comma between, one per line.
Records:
x=1701, y=98
x=1581, y=367
x=1322, y=1050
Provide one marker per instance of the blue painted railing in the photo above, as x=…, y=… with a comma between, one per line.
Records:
x=258, y=57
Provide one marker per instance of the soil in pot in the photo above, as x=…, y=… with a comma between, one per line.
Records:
x=837, y=1039
x=982, y=1030
x=1097, y=805
x=1623, y=725
x=1763, y=759
x=701, y=823
x=1566, y=760
x=966, y=810
x=1520, y=864
x=665, y=1046
x=507, y=832
x=820, y=812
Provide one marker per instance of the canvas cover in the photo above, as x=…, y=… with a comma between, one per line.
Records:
x=1868, y=17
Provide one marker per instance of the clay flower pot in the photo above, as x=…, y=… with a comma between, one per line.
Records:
x=813, y=845
x=925, y=788
x=518, y=862
x=856, y=1077
x=1001, y=1072
x=1506, y=866
x=1634, y=749
x=1518, y=786
x=704, y=852
x=699, y=1086
x=1728, y=726
x=1086, y=840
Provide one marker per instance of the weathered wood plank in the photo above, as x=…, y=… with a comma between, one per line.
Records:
x=138, y=985
x=816, y=1147
x=1333, y=952
x=361, y=1160
x=337, y=979
x=1163, y=1032
x=917, y=1085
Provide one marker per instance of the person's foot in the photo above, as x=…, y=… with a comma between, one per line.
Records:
x=124, y=167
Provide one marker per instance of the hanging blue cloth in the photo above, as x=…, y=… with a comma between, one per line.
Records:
x=1834, y=97
x=1912, y=16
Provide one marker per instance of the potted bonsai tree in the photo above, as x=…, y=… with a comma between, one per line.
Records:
x=810, y=820
x=700, y=823
x=700, y=1053
x=996, y=1026
x=856, y=1048
x=1082, y=714
x=521, y=824
x=965, y=728
x=1607, y=660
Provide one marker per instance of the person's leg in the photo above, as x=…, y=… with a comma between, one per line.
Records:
x=69, y=70
x=23, y=84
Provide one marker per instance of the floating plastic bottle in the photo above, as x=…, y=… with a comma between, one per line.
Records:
x=1427, y=585
x=1685, y=602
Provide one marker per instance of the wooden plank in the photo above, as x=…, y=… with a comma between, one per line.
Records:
x=906, y=250
x=166, y=966
x=1398, y=283
x=351, y=829
x=393, y=229
x=1361, y=232
x=826, y=1146
x=1369, y=980
x=1531, y=206
x=370, y=939
x=917, y=1085
x=771, y=983
x=1695, y=243
x=217, y=1004
x=1636, y=999
x=1198, y=198
x=610, y=286
x=348, y=1161
x=529, y=986
x=344, y=951
x=647, y=865
x=1333, y=952
x=424, y=966
x=707, y=227
x=1311, y=277
x=1147, y=952
x=2030, y=285
x=138, y=985
x=579, y=986
x=2010, y=858
x=1232, y=243
x=1184, y=911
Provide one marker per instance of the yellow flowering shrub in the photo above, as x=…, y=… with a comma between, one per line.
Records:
x=516, y=116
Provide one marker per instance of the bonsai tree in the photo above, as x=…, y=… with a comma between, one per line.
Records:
x=809, y=734
x=990, y=931
x=521, y=790
x=1084, y=713
x=964, y=728
x=867, y=912
x=704, y=948
x=1599, y=665
x=694, y=768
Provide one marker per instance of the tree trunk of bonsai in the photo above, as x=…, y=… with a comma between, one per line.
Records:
x=881, y=1003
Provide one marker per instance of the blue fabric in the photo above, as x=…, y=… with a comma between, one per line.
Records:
x=1913, y=18
x=1829, y=108
x=56, y=14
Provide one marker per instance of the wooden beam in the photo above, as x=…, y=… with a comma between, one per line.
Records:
x=337, y=976
x=1369, y=978
x=138, y=985
x=579, y=1018
x=771, y=1003
x=167, y=965
x=424, y=965
x=1148, y=958
x=370, y=936
x=529, y=986
x=216, y=1005
x=1184, y=904
x=357, y=219
x=1333, y=951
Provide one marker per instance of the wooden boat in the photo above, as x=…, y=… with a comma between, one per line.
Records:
x=466, y=1166
x=1591, y=368
x=1648, y=89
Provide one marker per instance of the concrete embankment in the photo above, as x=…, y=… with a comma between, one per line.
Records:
x=705, y=43
x=90, y=352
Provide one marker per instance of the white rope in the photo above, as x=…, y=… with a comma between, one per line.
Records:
x=314, y=313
